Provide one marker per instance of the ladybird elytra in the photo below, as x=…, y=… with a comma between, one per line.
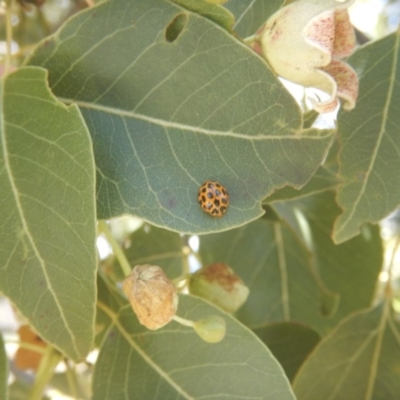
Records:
x=213, y=198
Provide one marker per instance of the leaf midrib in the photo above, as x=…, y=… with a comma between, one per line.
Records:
x=25, y=227
x=380, y=137
x=114, y=317
x=179, y=126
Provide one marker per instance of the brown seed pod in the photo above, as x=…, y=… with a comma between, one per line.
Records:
x=152, y=295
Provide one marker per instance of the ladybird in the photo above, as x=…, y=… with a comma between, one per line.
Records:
x=213, y=198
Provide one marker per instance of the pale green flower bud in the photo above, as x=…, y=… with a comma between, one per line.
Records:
x=211, y=329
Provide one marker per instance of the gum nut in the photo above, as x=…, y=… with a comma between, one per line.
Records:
x=152, y=295
x=211, y=329
x=219, y=284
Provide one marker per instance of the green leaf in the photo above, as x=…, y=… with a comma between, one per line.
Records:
x=47, y=209
x=3, y=370
x=370, y=153
x=276, y=266
x=351, y=269
x=73, y=384
x=166, y=116
x=174, y=363
x=252, y=14
x=358, y=360
x=156, y=246
x=20, y=390
x=309, y=118
x=213, y=12
x=289, y=343
x=322, y=180
x=109, y=295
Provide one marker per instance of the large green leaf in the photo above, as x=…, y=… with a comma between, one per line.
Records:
x=370, y=153
x=359, y=360
x=3, y=370
x=20, y=390
x=47, y=234
x=109, y=295
x=290, y=343
x=174, y=363
x=214, y=12
x=276, y=266
x=156, y=246
x=350, y=269
x=322, y=180
x=252, y=14
x=167, y=112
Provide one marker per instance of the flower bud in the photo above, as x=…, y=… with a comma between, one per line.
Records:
x=211, y=329
x=220, y=285
x=152, y=295
x=304, y=43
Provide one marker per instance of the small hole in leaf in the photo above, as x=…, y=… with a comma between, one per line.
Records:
x=175, y=27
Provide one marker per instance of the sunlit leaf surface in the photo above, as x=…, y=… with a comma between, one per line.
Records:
x=370, y=140
x=322, y=180
x=174, y=363
x=358, y=360
x=169, y=111
x=47, y=212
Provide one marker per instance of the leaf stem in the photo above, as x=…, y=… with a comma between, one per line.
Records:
x=116, y=248
x=28, y=346
x=183, y=321
x=49, y=361
x=107, y=310
x=251, y=39
x=71, y=379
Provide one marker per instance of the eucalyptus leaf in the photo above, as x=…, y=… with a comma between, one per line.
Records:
x=47, y=209
x=3, y=370
x=167, y=113
x=252, y=14
x=174, y=363
x=370, y=141
x=358, y=360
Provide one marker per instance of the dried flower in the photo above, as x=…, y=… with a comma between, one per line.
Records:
x=219, y=284
x=152, y=295
x=305, y=41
